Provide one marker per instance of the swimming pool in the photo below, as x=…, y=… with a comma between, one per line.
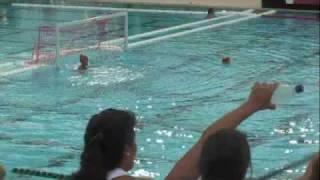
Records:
x=177, y=88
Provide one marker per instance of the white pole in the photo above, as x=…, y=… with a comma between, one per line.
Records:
x=72, y=23
x=169, y=36
x=20, y=70
x=126, y=41
x=160, y=31
x=7, y=64
x=57, y=44
x=24, y=5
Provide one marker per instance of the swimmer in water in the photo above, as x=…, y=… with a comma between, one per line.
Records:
x=84, y=60
x=211, y=13
x=226, y=60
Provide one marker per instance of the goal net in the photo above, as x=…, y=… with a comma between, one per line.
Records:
x=105, y=33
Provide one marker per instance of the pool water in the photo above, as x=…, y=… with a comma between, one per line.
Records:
x=176, y=87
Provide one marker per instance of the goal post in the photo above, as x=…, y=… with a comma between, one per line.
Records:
x=104, y=33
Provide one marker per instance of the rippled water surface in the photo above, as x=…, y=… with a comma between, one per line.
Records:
x=176, y=87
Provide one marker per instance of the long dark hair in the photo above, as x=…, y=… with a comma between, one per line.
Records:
x=225, y=156
x=106, y=137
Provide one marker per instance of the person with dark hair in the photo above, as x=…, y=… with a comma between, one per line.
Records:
x=84, y=61
x=188, y=166
x=225, y=155
x=109, y=146
x=211, y=13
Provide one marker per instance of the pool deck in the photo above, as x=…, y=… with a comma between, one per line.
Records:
x=204, y=3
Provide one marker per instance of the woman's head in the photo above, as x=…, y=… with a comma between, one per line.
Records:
x=109, y=143
x=225, y=156
x=84, y=60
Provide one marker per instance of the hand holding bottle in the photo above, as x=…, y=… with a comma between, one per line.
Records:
x=261, y=94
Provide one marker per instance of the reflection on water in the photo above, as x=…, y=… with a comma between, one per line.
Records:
x=104, y=76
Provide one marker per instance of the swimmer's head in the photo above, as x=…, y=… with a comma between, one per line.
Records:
x=84, y=60
x=210, y=11
x=226, y=60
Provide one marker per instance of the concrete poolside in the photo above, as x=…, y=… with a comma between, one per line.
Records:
x=242, y=4
x=215, y=3
x=233, y=4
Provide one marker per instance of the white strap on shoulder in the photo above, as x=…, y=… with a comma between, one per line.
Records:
x=118, y=172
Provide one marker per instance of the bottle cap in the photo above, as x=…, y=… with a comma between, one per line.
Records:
x=299, y=88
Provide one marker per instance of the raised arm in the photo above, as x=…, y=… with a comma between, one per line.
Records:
x=260, y=99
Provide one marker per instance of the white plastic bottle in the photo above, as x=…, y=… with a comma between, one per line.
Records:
x=284, y=92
